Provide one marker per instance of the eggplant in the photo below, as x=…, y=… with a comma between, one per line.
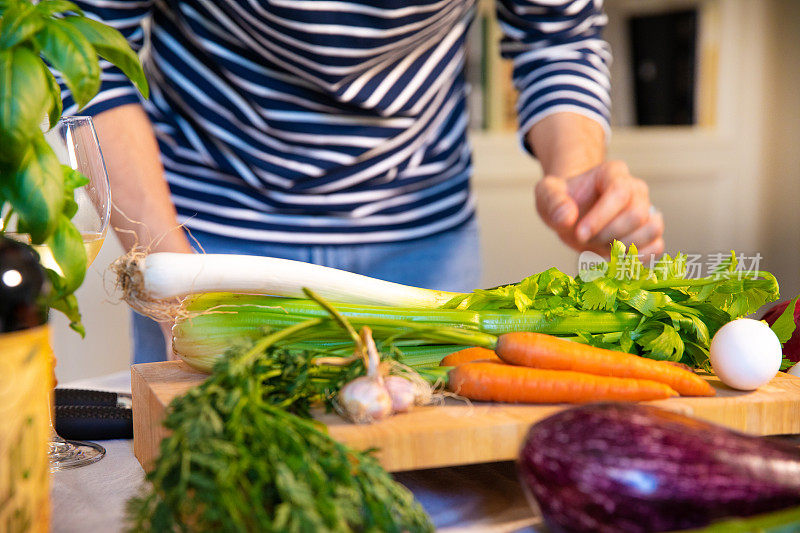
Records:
x=617, y=467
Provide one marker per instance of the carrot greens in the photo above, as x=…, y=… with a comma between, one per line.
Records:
x=243, y=454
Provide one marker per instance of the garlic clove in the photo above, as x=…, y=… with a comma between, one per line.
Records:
x=365, y=400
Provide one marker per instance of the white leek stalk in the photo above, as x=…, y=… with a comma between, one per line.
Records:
x=149, y=279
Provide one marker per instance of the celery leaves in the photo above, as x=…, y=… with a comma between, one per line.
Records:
x=551, y=291
x=785, y=325
x=679, y=315
x=600, y=294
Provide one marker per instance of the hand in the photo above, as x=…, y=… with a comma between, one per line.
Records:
x=605, y=203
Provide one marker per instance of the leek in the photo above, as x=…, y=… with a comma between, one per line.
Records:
x=150, y=280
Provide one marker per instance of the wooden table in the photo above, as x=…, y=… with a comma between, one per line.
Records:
x=489, y=498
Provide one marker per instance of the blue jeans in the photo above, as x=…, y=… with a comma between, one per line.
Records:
x=448, y=261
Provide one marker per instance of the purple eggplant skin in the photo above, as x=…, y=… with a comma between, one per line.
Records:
x=614, y=467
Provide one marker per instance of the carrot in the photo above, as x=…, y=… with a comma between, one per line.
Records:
x=467, y=355
x=501, y=382
x=545, y=351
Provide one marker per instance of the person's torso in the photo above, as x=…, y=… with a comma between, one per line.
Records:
x=313, y=120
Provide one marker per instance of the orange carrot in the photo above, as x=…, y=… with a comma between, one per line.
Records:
x=545, y=351
x=467, y=355
x=501, y=382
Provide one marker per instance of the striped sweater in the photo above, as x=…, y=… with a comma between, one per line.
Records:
x=327, y=121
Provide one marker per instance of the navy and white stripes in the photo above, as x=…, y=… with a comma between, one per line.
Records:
x=326, y=122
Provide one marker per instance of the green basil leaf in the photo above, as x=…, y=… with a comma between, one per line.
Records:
x=5, y=4
x=36, y=191
x=73, y=55
x=18, y=24
x=112, y=46
x=52, y=7
x=55, y=97
x=72, y=180
x=69, y=306
x=24, y=100
x=66, y=245
x=64, y=301
x=70, y=208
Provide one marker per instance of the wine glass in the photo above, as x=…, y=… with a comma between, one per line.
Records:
x=75, y=143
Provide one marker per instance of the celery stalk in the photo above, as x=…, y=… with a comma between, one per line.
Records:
x=218, y=321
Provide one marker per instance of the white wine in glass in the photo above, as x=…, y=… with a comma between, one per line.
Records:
x=92, y=242
x=75, y=143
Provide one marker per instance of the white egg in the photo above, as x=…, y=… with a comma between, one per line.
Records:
x=795, y=370
x=745, y=354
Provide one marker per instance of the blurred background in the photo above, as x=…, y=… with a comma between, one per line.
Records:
x=706, y=109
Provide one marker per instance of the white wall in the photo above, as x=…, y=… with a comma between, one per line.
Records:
x=515, y=242
x=780, y=233
x=106, y=347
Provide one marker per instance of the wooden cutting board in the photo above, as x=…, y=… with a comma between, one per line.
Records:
x=456, y=433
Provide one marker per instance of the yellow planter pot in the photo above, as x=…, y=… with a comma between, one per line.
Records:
x=26, y=385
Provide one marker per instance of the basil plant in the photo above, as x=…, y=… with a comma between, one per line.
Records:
x=36, y=37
